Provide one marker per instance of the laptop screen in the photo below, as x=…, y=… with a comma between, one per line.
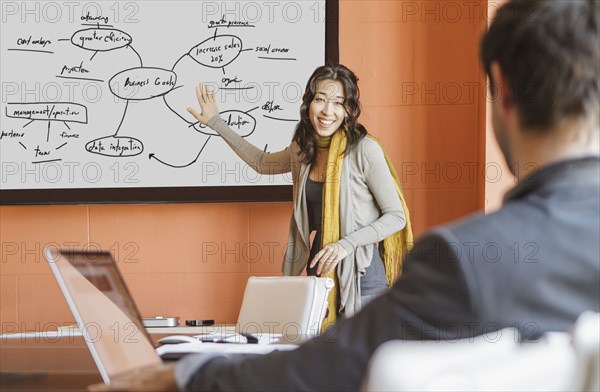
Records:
x=104, y=310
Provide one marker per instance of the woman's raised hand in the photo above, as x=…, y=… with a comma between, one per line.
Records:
x=208, y=106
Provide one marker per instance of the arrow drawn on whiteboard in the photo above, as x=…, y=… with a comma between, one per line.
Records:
x=48, y=135
x=152, y=155
x=61, y=146
x=140, y=57
x=95, y=53
x=23, y=145
x=123, y=118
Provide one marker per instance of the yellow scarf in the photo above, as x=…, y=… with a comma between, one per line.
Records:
x=393, y=248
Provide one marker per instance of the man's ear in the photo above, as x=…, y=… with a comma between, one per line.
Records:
x=503, y=92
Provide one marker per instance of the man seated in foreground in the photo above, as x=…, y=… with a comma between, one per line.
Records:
x=533, y=265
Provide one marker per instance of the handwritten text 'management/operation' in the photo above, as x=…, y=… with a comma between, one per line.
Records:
x=56, y=111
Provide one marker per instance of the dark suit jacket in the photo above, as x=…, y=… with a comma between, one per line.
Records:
x=533, y=265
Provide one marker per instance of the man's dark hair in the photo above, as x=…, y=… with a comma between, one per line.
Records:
x=549, y=52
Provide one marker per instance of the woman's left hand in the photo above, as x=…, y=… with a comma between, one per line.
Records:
x=328, y=258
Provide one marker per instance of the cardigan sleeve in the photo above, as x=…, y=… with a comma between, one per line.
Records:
x=380, y=181
x=263, y=162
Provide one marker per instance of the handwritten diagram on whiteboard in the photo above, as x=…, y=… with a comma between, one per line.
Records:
x=94, y=94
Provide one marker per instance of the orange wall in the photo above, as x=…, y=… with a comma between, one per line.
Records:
x=422, y=92
x=424, y=97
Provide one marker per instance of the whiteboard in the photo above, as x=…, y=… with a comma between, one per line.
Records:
x=94, y=94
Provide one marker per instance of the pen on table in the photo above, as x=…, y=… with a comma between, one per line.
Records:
x=249, y=339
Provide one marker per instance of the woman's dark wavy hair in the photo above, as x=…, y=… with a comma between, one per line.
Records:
x=305, y=135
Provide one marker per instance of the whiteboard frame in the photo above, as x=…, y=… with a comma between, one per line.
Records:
x=200, y=194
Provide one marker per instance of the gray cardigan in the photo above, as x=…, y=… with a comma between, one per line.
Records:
x=370, y=208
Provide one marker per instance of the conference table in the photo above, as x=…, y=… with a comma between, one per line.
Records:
x=46, y=363
x=55, y=361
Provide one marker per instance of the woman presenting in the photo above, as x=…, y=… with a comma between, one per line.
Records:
x=345, y=189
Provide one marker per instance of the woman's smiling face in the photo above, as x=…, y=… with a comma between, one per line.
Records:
x=327, y=110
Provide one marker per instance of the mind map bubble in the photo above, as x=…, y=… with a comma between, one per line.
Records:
x=217, y=52
x=101, y=40
x=142, y=83
x=115, y=146
x=241, y=122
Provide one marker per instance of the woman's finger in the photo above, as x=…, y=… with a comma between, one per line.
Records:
x=200, y=95
x=325, y=269
x=327, y=258
x=321, y=262
x=316, y=259
x=330, y=266
x=322, y=268
x=193, y=113
x=204, y=92
x=201, y=100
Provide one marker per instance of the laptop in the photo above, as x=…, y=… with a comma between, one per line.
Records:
x=292, y=307
x=104, y=311
x=109, y=319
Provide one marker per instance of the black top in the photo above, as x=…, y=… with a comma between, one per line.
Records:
x=314, y=204
x=374, y=281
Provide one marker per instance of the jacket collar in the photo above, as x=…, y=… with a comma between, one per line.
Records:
x=570, y=171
